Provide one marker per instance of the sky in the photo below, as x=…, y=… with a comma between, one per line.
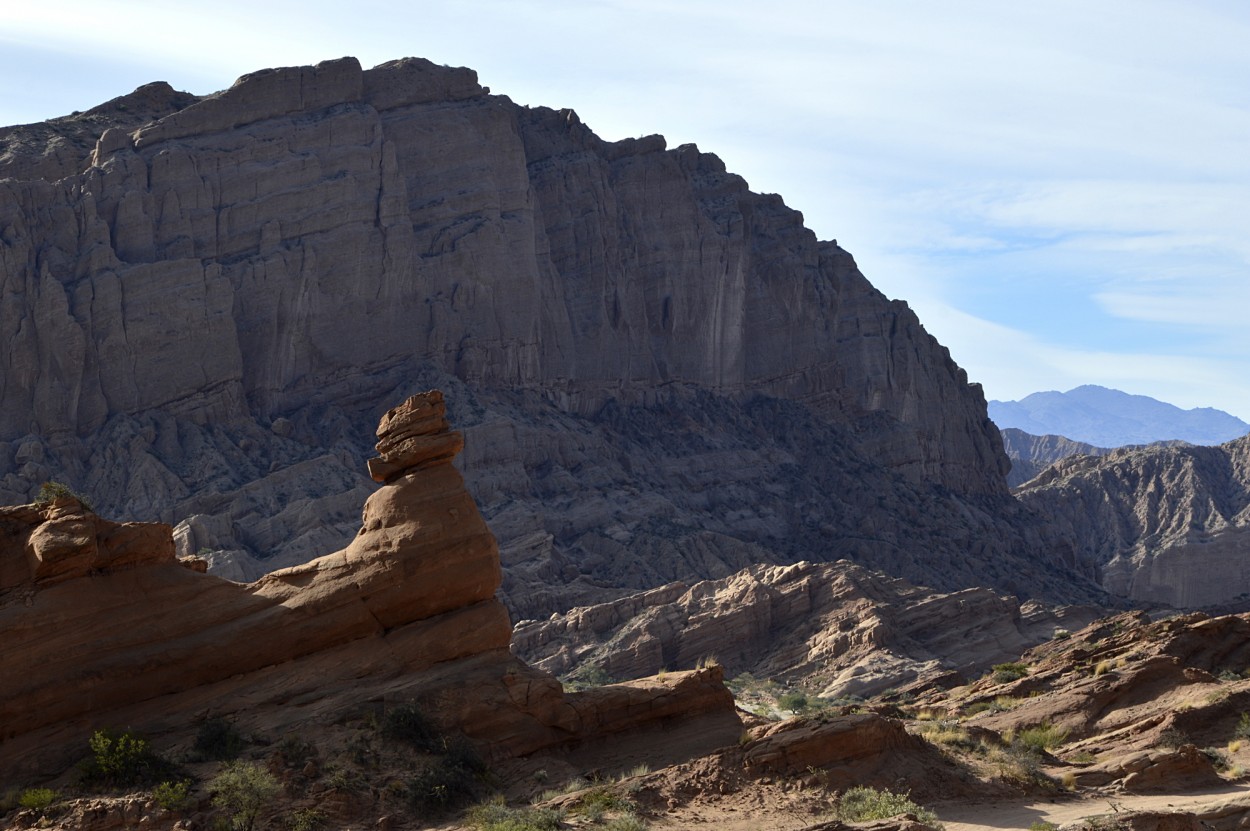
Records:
x=1059, y=189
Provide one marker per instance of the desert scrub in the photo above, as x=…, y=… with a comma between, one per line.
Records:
x=217, y=740
x=123, y=760
x=861, y=804
x=1041, y=737
x=49, y=492
x=306, y=819
x=37, y=799
x=497, y=816
x=794, y=702
x=447, y=782
x=173, y=796
x=406, y=724
x=947, y=735
x=1008, y=672
x=590, y=675
x=1242, y=730
x=243, y=790
x=598, y=801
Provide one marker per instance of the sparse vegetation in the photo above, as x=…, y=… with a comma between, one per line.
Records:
x=37, y=799
x=1102, y=668
x=1042, y=825
x=243, y=790
x=408, y=725
x=861, y=804
x=1041, y=737
x=794, y=702
x=217, y=740
x=1242, y=731
x=307, y=819
x=497, y=816
x=1008, y=672
x=124, y=760
x=173, y=796
x=49, y=492
x=589, y=675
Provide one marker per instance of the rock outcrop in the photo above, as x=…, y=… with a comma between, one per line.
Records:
x=835, y=629
x=1161, y=525
x=101, y=626
x=201, y=305
x=1030, y=454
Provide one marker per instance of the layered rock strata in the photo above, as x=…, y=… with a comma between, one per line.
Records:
x=836, y=629
x=201, y=303
x=102, y=627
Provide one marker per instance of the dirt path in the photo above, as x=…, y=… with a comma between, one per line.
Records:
x=1000, y=816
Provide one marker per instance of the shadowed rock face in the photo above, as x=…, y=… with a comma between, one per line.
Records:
x=203, y=303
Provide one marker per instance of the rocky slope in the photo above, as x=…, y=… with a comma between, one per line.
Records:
x=103, y=627
x=1110, y=418
x=1030, y=454
x=835, y=630
x=1163, y=525
x=662, y=374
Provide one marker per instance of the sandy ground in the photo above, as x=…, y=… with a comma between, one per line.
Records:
x=990, y=817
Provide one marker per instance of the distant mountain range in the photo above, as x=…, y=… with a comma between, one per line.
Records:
x=1111, y=418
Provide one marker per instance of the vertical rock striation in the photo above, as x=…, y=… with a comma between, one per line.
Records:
x=210, y=299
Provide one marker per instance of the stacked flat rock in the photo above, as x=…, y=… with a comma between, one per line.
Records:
x=413, y=436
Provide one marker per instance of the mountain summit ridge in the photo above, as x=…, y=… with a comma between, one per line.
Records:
x=1110, y=418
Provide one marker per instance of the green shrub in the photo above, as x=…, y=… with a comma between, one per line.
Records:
x=243, y=790
x=496, y=816
x=1042, y=825
x=49, y=492
x=124, y=760
x=306, y=819
x=408, y=725
x=860, y=804
x=37, y=798
x=295, y=751
x=1243, y=727
x=441, y=786
x=173, y=796
x=1008, y=672
x=794, y=702
x=628, y=822
x=217, y=740
x=1041, y=737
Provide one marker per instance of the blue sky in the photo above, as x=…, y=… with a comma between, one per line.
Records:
x=1059, y=189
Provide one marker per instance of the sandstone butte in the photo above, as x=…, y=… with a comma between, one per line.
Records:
x=101, y=625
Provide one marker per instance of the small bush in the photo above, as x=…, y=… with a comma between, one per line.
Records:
x=628, y=822
x=1102, y=668
x=49, y=492
x=1042, y=825
x=1005, y=673
x=597, y=801
x=1242, y=730
x=173, y=796
x=217, y=740
x=243, y=790
x=408, y=725
x=794, y=702
x=124, y=760
x=441, y=786
x=860, y=804
x=496, y=816
x=1041, y=737
x=295, y=751
x=306, y=819
x=1173, y=738
x=37, y=799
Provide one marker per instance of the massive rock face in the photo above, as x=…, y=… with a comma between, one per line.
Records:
x=203, y=304
x=1165, y=525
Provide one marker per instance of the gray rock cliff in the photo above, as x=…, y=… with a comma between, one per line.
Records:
x=203, y=303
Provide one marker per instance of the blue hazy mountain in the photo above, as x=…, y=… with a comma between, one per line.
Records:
x=1111, y=418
